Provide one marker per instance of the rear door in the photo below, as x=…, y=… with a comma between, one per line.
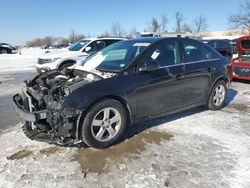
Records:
x=199, y=61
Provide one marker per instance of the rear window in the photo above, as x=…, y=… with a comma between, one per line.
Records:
x=245, y=44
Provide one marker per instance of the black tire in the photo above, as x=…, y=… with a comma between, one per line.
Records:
x=4, y=51
x=212, y=104
x=96, y=112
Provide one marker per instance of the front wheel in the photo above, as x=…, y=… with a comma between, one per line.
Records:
x=217, y=96
x=104, y=124
x=4, y=51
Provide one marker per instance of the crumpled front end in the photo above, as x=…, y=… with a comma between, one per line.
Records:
x=41, y=106
x=50, y=125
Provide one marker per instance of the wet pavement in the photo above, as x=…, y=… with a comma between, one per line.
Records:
x=10, y=84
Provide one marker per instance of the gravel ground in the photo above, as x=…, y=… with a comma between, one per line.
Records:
x=195, y=148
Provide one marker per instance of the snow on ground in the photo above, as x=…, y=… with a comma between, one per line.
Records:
x=23, y=61
x=195, y=148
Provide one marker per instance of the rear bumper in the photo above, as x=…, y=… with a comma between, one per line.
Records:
x=22, y=106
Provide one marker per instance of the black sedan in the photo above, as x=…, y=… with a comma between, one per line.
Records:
x=222, y=46
x=128, y=82
x=7, y=48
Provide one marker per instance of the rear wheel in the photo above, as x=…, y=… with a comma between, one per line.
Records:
x=104, y=124
x=217, y=96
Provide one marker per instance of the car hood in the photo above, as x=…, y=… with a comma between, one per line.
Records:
x=62, y=54
x=243, y=45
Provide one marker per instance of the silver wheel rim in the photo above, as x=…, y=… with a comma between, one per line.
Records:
x=4, y=51
x=219, y=95
x=106, y=124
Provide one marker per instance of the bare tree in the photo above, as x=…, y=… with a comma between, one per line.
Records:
x=186, y=28
x=48, y=40
x=179, y=20
x=72, y=36
x=164, y=22
x=241, y=19
x=133, y=33
x=200, y=24
x=105, y=34
x=117, y=30
x=155, y=26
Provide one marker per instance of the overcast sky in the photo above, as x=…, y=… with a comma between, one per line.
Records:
x=23, y=20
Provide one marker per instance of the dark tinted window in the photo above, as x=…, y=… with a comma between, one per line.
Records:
x=245, y=44
x=100, y=44
x=212, y=43
x=195, y=51
x=222, y=44
x=166, y=53
x=94, y=47
x=109, y=42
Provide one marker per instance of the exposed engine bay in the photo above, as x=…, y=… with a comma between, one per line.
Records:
x=43, y=98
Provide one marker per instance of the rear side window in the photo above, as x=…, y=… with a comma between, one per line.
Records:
x=195, y=51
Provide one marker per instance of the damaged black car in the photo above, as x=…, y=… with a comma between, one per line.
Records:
x=126, y=83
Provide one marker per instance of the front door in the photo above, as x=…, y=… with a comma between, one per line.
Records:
x=160, y=91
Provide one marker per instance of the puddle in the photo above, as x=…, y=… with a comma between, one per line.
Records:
x=20, y=155
x=4, y=78
x=50, y=150
x=98, y=161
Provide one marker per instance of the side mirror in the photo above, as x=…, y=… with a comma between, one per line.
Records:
x=149, y=65
x=87, y=49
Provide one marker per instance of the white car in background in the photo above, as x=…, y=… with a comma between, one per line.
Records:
x=78, y=51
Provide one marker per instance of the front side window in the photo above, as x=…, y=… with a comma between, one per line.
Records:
x=93, y=47
x=166, y=53
x=195, y=51
x=100, y=44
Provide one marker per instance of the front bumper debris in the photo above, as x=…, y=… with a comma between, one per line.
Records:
x=45, y=125
x=30, y=116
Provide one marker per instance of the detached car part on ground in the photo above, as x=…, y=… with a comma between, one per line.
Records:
x=240, y=66
x=126, y=83
x=78, y=51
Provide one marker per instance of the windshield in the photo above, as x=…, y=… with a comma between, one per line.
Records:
x=115, y=57
x=78, y=45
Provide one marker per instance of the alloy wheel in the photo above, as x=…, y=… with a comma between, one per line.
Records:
x=106, y=124
x=219, y=95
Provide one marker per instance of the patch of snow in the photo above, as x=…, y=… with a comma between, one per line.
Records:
x=23, y=61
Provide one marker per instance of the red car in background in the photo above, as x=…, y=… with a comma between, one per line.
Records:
x=240, y=66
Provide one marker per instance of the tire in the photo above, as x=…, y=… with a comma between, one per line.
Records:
x=217, y=96
x=4, y=51
x=104, y=124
